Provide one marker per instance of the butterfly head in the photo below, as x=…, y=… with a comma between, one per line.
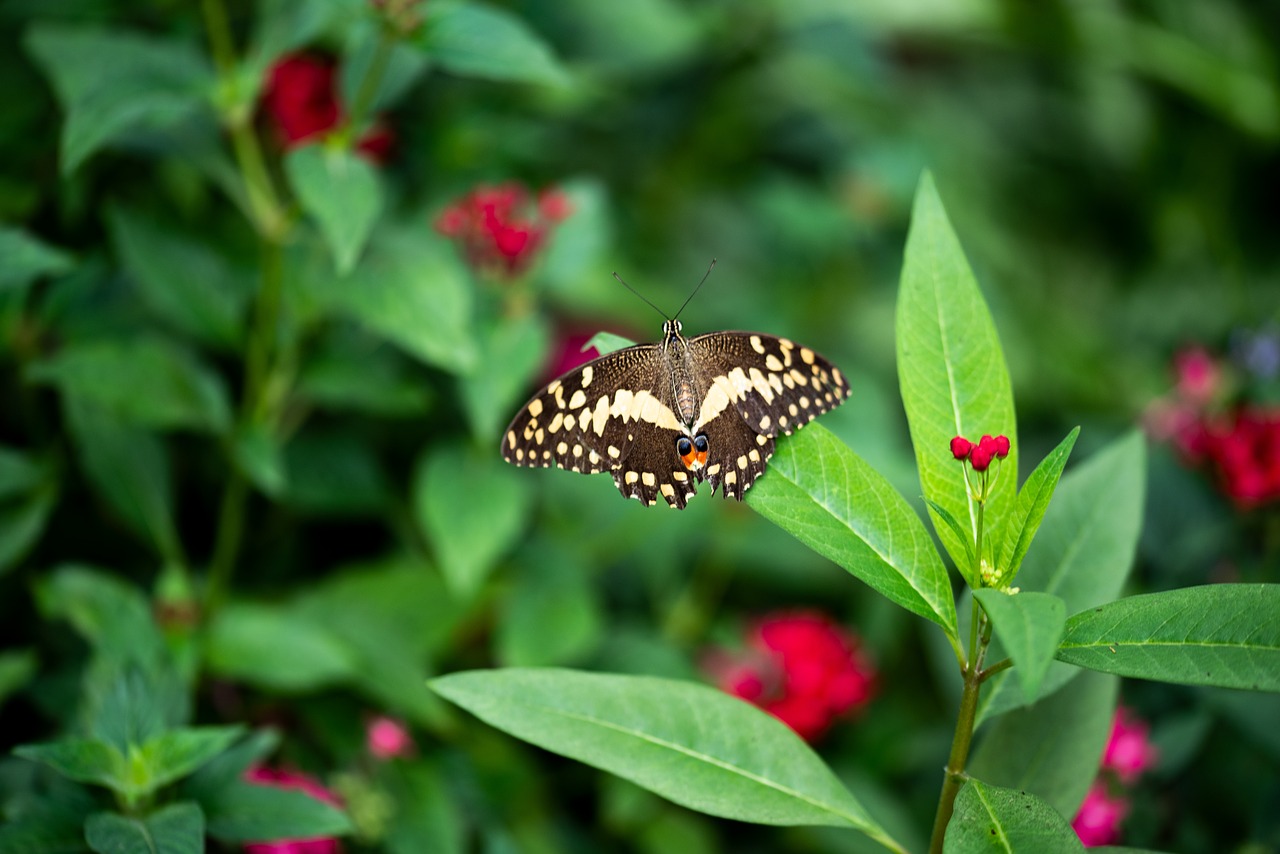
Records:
x=670, y=331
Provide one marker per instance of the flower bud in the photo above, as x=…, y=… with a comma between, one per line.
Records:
x=960, y=447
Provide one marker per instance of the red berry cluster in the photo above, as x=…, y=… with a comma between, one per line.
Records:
x=500, y=229
x=980, y=453
x=300, y=101
x=801, y=668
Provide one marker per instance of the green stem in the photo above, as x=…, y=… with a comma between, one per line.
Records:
x=953, y=775
x=372, y=79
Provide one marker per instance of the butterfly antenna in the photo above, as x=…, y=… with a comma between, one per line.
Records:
x=698, y=288
x=642, y=296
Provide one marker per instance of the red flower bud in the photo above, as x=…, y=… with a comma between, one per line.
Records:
x=960, y=447
x=1002, y=446
x=981, y=456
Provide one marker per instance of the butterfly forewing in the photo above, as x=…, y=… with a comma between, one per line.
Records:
x=613, y=414
x=626, y=411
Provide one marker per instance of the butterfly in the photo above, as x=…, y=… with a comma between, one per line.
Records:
x=663, y=417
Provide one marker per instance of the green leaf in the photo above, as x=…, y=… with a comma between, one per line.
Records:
x=469, y=544
x=951, y=370
x=175, y=754
x=175, y=829
x=16, y=669
x=427, y=819
x=512, y=350
x=334, y=473
x=1053, y=748
x=274, y=648
x=552, y=588
x=108, y=612
x=607, y=342
x=1029, y=626
x=127, y=703
x=991, y=819
x=357, y=372
x=1033, y=501
x=20, y=473
x=478, y=40
x=412, y=291
x=1226, y=635
x=130, y=468
x=830, y=499
x=182, y=279
x=85, y=760
x=966, y=568
x=245, y=812
x=1084, y=549
x=690, y=743
x=145, y=381
x=258, y=453
x=154, y=83
x=228, y=767
x=342, y=191
x=22, y=522
x=24, y=258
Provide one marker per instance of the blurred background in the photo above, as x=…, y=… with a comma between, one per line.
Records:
x=281, y=434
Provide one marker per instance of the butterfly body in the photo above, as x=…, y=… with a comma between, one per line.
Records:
x=663, y=417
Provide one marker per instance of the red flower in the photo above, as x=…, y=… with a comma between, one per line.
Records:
x=500, y=229
x=800, y=667
x=1128, y=752
x=387, y=738
x=981, y=454
x=1099, y=818
x=960, y=447
x=291, y=780
x=300, y=99
x=1002, y=446
x=1199, y=376
x=980, y=457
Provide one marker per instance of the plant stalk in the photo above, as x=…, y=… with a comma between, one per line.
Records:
x=953, y=775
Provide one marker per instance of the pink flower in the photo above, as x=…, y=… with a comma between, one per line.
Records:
x=1199, y=376
x=292, y=780
x=387, y=738
x=1128, y=752
x=500, y=229
x=1098, y=821
x=800, y=667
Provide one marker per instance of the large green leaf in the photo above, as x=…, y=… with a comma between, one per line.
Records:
x=552, y=588
x=22, y=522
x=175, y=829
x=1222, y=634
x=182, y=279
x=145, y=381
x=1029, y=626
x=153, y=83
x=469, y=544
x=1033, y=501
x=174, y=754
x=23, y=259
x=246, y=812
x=342, y=191
x=428, y=819
x=1053, y=748
x=85, y=760
x=111, y=614
x=130, y=468
x=1084, y=549
x=411, y=290
x=830, y=499
x=228, y=767
x=690, y=743
x=479, y=40
x=991, y=820
x=951, y=370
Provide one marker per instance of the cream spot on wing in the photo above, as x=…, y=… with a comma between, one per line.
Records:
x=761, y=385
x=771, y=362
x=731, y=478
x=535, y=407
x=577, y=450
x=601, y=416
x=511, y=438
x=742, y=461
x=713, y=469
x=800, y=378
x=668, y=490
x=804, y=402
x=559, y=393
x=741, y=385
x=714, y=403
x=787, y=380
x=765, y=422
x=632, y=477
x=782, y=421
x=776, y=382
x=621, y=403
x=807, y=356
x=588, y=374
x=756, y=345
x=680, y=476
x=761, y=439
x=539, y=436
x=579, y=398
x=520, y=455
x=614, y=452
x=792, y=409
x=754, y=455
x=593, y=458
x=562, y=449
x=837, y=377
x=528, y=431
x=648, y=479
x=569, y=422
x=546, y=455
x=556, y=423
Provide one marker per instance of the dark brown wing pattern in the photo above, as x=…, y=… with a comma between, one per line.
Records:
x=613, y=414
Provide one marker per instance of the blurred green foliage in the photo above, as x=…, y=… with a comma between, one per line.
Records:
x=259, y=394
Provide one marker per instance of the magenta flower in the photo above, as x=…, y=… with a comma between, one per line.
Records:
x=1098, y=821
x=292, y=780
x=1129, y=753
x=387, y=738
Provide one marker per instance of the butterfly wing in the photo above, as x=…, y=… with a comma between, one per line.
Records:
x=757, y=386
x=613, y=414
